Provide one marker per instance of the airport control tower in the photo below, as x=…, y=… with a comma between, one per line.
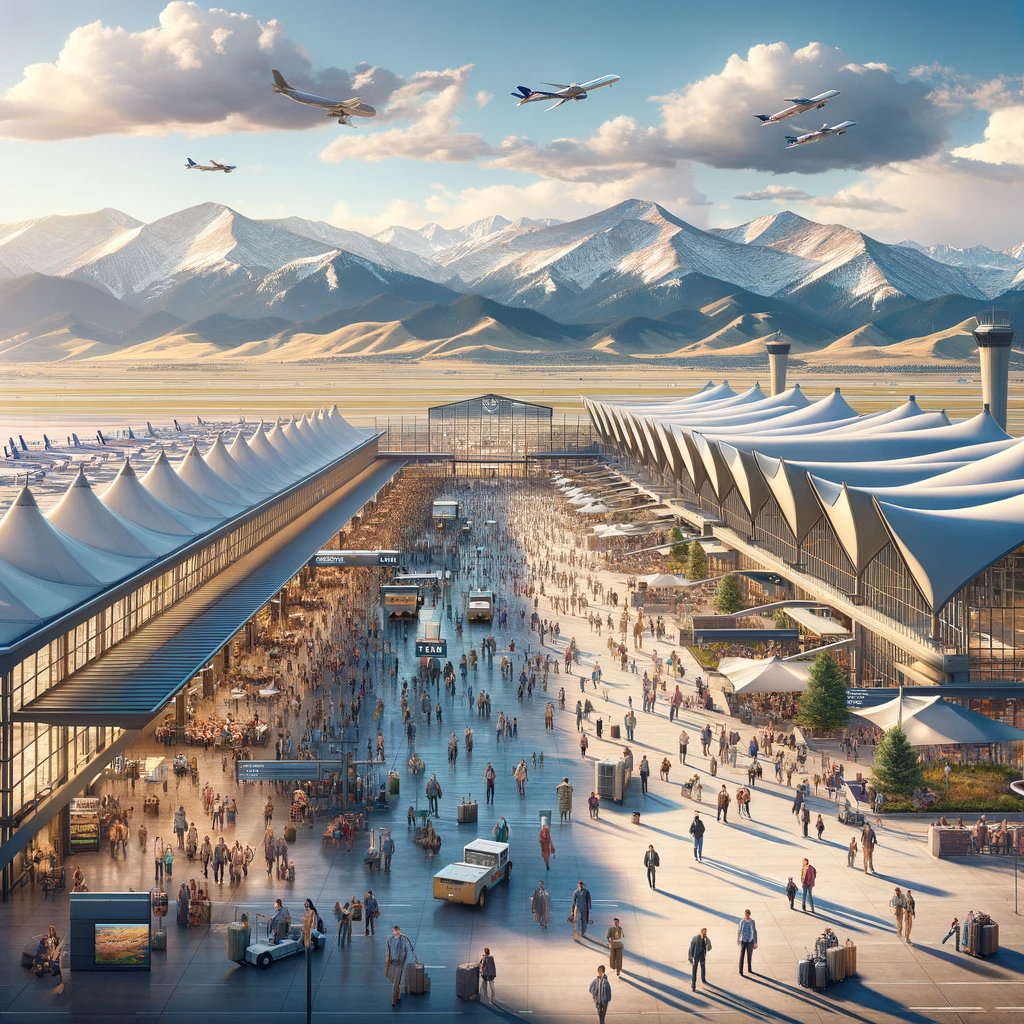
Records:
x=994, y=336
x=778, y=360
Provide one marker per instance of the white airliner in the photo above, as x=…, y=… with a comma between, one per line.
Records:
x=212, y=166
x=343, y=110
x=565, y=93
x=799, y=107
x=821, y=133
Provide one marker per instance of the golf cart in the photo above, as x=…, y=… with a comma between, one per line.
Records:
x=264, y=950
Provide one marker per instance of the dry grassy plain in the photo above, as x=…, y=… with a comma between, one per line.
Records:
x=85, y=396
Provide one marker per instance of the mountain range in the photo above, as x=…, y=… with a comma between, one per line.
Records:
x=630, y=281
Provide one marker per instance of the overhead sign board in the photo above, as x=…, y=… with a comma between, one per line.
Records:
x=869, y=696
x=326, y=558
x=431, y=648
x=445, y=509
x=285, y=771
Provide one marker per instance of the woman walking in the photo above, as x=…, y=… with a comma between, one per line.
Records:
x=547, y=846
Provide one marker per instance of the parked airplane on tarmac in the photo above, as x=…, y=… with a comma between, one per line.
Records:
x=343, y=110
x=821, y=133
x=799, y=107
x=566, y=92
x=213, y=166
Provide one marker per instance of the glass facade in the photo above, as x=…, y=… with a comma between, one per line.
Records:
x=490, y=428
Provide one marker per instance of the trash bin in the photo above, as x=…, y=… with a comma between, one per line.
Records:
x=615, y=731
x=636, y=817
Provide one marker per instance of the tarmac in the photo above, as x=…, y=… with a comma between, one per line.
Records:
x=543, y=975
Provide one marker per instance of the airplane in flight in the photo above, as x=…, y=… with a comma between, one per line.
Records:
x=821, y=133
x=343, y=110
x=799, y=106
x=565, y=93
x=213, y=166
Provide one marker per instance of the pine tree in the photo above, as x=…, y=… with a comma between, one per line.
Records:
x=823, y=706
x=697, y=562
x=679, y=546
x=781, y=619
x=896, y=768
x=728, y=596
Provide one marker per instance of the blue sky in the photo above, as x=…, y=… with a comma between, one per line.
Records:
x=935, y=155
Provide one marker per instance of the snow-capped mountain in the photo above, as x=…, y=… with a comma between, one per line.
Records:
x=436, y=242
x=391, y=257
x=993, y=272
x=58, y=245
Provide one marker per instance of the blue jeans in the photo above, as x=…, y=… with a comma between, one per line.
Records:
x=698, y=847
x=808, y=894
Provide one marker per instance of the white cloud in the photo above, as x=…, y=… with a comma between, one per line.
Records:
x=710, y=120
x=1004, y=139
x=483, y=97
x=856, y=198
x=428, y=101
x=198, y=71
x=776, y=193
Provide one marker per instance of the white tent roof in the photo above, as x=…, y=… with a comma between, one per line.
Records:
x=128, y=498
x=162, y=482
x=221, y=461
x=765, y=675
x=264, y=449
x=933, y=721
x=664, y=579
x=214, y=489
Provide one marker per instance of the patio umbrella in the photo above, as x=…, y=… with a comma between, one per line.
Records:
x=765, y=675
x=932, y=721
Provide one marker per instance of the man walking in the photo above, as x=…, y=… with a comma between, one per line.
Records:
x=489, y=776
x=867, y=847
x=396, y=951
x=433, y=793
x=615, y=936
x=580, y=911
x=705, y=740
x=652, y=862
x=805, y=818
x=723, y=804
x=601, y=993
x=630, y=724
x=220, y=860
x=898, y=906
x=387, y=848
x=700, y=946
x=371, y=911
x=697, y=831
x=684, y=739
x=808, y=876
x=746, y=939
x=909, y=913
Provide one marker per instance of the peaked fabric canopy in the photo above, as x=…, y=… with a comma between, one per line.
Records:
x=765, y=675
x=933, y=721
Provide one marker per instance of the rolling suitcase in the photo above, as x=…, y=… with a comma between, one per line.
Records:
x=805, y=972
x=836, y=961
x=289, y=833
x=414, y=979
x=820, y=974
x=158, y=940
x=467, y=812
x=239, y=939
x=988, y=942
x=851, y=958
x=357, y=910
x=467, y=981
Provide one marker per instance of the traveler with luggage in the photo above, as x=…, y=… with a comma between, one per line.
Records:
x=614, y=938
x=580, y=915
x=488, y=972
x=343, y=915
x=433, y=794
x=396, y=952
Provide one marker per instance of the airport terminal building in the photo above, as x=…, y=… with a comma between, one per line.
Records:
x=908, y=526
x=112, y=603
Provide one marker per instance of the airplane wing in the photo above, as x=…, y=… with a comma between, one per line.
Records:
x=219, y=166
x=353, y=107
x=788, y=99
x=564, y=99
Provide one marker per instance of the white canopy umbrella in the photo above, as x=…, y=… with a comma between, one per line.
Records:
x=932, y=721
x=663, y=579
x=765, y=675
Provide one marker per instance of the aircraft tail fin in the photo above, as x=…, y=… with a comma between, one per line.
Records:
x=524, y=92
x=763, y=117
x=279, y=80
x=191, y=162
x=791, y=139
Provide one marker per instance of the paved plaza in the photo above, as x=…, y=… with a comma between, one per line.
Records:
x=543, y=975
